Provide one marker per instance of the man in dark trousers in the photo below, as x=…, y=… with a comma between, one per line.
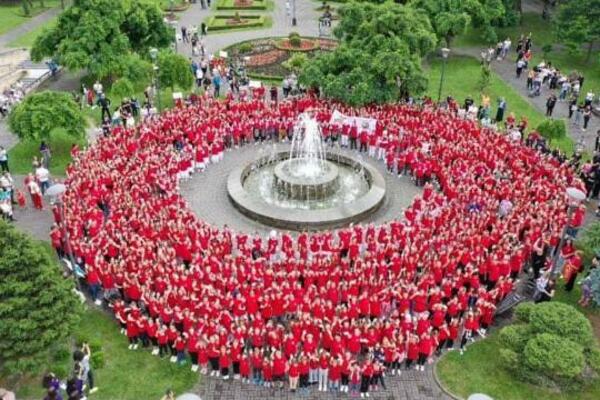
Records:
x=104, y=104
x=550, y=103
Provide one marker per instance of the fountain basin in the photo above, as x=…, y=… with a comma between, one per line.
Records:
x=300, y=219
x=290, y=179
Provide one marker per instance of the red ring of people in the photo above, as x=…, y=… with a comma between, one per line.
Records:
x=347, y=303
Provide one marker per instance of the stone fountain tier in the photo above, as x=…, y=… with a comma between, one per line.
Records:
x=297, y=219
x=295, y=186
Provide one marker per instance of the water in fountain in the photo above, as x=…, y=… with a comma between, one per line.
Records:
x=307, y=153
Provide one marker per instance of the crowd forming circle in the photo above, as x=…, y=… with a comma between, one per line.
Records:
x=332, y=298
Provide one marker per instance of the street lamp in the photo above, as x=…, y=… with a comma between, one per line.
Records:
x=294, y=13
x=56, y=192
x=575, y=197
x=445, y=53
x=154, y=56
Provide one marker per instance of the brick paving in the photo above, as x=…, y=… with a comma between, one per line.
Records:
x=410, y=385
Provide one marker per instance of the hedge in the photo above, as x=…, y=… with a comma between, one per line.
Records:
x=218, y=22
x=230, y=5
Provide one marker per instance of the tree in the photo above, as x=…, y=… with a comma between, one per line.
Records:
x=38, y=309
x=122, y=88
x=448, y=17
x=379, y=57
x=174, y=70
x=576, y=24
x=40, y=113
x=552, y=344
x=552, y=129
x=97, y=35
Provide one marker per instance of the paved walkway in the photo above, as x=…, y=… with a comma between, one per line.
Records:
x=411, y=385
x=28, y=26
x=506, y=69
x=306, y=15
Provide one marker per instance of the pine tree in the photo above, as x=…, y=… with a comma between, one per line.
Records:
x=38, y=309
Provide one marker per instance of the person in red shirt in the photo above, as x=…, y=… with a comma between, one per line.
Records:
x=366, y=376
x=293, y=374
x=245, y=368
x=335, y=374
x=224, y=363
x=304, y=366
x=425, y=347
x=257, y=366
x=323, y=370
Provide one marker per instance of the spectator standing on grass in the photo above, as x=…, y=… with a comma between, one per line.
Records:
x=46, y=154
x=501, y=110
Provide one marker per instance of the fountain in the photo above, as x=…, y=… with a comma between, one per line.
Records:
x=306, y=187
x=307, y=174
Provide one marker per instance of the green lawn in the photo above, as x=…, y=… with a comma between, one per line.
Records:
x=27, y=39
x=21, y=156
x=480, y=370
x=218, y=23
x=126, y=375
x=461, y=77
x=11, y=13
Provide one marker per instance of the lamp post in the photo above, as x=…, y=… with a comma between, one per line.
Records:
x=294, y=22
x=56, y=192
x=154, y=56
x=445, y=53
x=575, y=197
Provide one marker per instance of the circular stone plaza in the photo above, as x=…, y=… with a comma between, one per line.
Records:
x=284, y=200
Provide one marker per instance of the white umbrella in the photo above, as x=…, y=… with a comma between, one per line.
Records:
x=56, y=190
x=189, y=396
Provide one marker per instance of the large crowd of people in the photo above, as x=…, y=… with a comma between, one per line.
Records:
x=340, y=309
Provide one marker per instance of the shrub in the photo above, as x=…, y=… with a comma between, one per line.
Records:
x=515, y=337
x=122, y=88
x=562, y=320
x=41, y=113
x=245, y=47
x=295, y=41
x=293, y=35
x=523, y=311
x=556, y=357
x=553, y=346
x=552, y=129
x=97, y=360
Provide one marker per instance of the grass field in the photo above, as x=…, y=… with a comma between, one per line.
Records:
x=479, y=370
x=126, y=375
x=27, y=39
x=22, y=154
x=11, y=13
x=218, y=23
x=460, y=81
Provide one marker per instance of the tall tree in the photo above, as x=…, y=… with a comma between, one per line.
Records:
x=448, y=17
x=379, y=58
x=97, y=35
x=576, y=24
x=37, y=306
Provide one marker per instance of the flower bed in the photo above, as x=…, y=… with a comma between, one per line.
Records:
x=305, y=45
x=241, y=4
x=267, y=55
x=225, y=22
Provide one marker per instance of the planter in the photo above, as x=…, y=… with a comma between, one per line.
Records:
x=241, y=4
x=225, y=22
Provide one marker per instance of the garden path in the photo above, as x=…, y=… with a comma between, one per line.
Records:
x=28, y=26
x=506, y=70
x=306, y=15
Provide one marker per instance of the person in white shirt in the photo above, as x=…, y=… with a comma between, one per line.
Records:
x=43, y=177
